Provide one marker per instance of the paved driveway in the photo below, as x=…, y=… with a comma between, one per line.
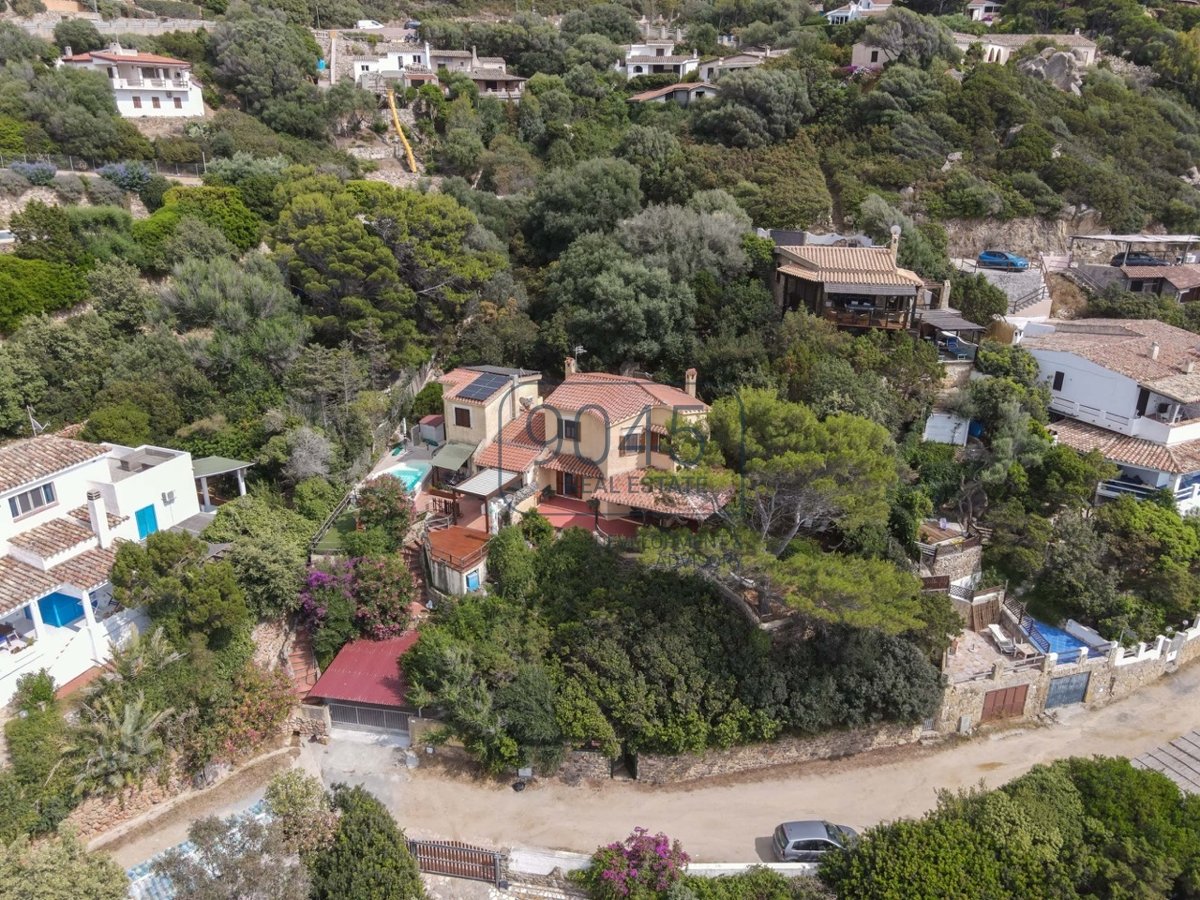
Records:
x=730, y=819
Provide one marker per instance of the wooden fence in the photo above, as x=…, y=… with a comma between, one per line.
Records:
x=458, y=860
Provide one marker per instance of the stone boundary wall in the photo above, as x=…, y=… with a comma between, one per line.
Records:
x=99, y=820
x=584, y=765
x=308, y=720
x=655, y=769
x=1113, y=676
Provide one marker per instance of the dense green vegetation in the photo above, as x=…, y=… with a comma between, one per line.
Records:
x=578, y=648
x=318, y=844
x=1077, y=828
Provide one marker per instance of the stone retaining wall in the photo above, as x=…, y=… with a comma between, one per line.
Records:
x=686, y=767
x=1113, y=676
x=308, y=720
x=584, y=765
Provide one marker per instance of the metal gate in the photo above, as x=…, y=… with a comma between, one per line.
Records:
x=1068, y=689
x=457, y=860
x=368, y=718
x=1004, y=703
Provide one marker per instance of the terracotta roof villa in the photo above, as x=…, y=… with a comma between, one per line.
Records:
x=1129, y=389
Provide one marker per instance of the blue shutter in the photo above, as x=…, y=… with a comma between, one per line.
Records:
x=147, y=522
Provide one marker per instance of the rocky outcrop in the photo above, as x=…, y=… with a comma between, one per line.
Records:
x=1056, y=67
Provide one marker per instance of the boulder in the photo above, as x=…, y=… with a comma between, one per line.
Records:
x=1055, y=67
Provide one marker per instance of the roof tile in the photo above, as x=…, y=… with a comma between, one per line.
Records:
x=1125, y=346
x=32, y=459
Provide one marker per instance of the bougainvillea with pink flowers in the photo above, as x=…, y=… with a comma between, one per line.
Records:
x=368, y=596
x=641, y=867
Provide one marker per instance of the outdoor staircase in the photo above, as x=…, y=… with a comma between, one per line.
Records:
x=302, y=663
x=414, y=558
x=1033, y=298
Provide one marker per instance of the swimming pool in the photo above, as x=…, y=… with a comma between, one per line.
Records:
x=1065, y=645
x=411, y=474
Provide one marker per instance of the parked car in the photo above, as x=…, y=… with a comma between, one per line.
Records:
x=809, y=841
x=412, y=24
x=367, y=24
x=1137, y=259
x=1002, y=259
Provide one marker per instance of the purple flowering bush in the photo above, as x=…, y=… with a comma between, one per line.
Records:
x=641, y=867
x=367, y=596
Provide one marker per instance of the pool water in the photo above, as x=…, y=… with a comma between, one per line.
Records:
x=1060, y=642
x=411, y=474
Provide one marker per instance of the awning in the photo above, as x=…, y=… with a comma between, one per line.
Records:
x=487, y=482
x=947, y=320
x=1139, y=238
x=216, y=465
x=453, y=455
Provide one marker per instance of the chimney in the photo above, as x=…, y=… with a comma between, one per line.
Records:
x=569, y=366
x=894, y=244
x=474, y=58
x=67, y=54
x=689, y=382
x=98, y=518
x=1154, y=350
x=516, y=381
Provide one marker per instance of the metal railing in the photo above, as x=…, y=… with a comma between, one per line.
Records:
x=458, y=860
x=867, y=318
x=1115, y=487
x=1034, y=297
x=69, y=163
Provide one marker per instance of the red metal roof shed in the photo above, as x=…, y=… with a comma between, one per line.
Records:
x=367, y=672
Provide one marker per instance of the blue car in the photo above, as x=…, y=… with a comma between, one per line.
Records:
x=1000, y=259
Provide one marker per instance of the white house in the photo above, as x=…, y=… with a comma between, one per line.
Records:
x=984, y=11
x=1130, y=389
x=656, y=58
x=64, y=504
x=863, y=55
x=998, y=48
x=143, y=84
x=857, y=9
x=413, y=67
x=748, y=58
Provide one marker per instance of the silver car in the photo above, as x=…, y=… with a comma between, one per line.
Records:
x=810, y=841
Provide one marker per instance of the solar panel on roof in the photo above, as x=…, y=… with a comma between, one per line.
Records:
x=483, y=387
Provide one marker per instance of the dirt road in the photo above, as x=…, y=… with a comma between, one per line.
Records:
x=718, y=820
x=730, y=819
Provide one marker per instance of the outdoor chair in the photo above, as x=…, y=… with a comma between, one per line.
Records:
x=1003, y=641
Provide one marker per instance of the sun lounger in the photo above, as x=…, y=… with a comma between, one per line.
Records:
x=1003, y=641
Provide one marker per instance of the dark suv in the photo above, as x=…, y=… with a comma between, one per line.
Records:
x=1137, y=259
x=810, y=841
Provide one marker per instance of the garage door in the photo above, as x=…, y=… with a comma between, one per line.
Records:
x=1067, y=690
x=368, y=718
x=1004, y=703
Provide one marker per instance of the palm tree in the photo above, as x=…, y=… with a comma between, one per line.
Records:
x=116, y=744
x=142, y=655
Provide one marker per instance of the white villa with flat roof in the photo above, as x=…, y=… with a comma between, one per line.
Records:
x=64, y=506
x=1130, y=389
x=143, y=84
x=656, y=58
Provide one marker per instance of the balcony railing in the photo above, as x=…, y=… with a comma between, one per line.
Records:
x=1115, y=487
x=868, y=318
x=166, y=84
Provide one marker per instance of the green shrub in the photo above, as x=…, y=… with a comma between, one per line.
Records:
x=32, y=286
